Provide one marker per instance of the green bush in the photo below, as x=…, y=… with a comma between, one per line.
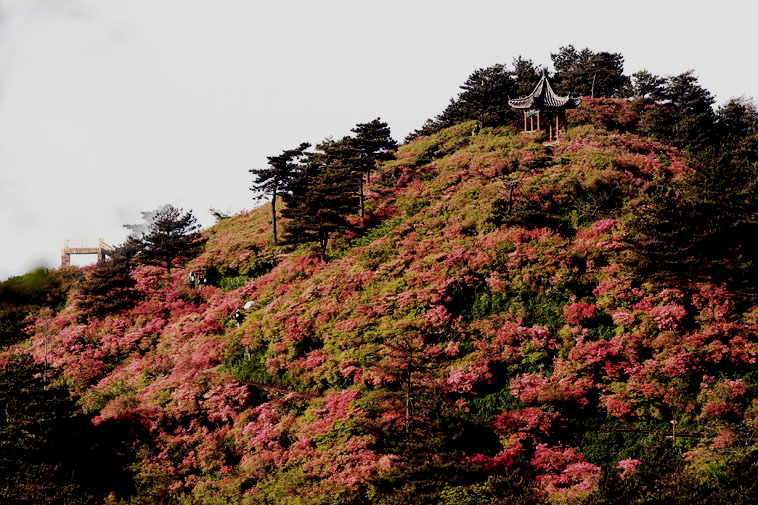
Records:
x=233, y=282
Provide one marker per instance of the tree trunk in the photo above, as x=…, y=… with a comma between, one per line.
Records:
x=273, y=213
x=360, y=192
x=323, y=242
x=408, y=403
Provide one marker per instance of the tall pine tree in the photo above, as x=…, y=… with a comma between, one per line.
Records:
x=108, y=287
x=172, y=239
x=483, y=97
x=272, y=179
x=683, y=114
x=704, y=226
x=373, y=143
x=321, y=195
x=525, y=76
x=586, y=73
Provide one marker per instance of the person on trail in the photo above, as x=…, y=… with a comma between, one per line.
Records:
x=192, y=280
x=239, y=317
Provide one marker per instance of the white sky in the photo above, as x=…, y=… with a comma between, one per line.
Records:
x=109, y=107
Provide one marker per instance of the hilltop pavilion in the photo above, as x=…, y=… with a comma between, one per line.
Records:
x=546, y=106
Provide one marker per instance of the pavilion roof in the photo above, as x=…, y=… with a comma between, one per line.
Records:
x=543, y=97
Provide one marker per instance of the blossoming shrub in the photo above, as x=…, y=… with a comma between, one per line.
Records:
x=483, y=326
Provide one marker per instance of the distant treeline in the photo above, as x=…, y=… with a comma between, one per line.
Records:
x=673, y=109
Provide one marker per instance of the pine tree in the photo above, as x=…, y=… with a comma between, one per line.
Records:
x=587, y=73
x=271, y=180
x=683, y=116
x=172, y=239
x=320, y=195
x=646, y=86
x=704, y=226
x=108, y=287
x=373, y=143
x=49, y=452
x=737, y=123
x=484, y=97
x=525, y=76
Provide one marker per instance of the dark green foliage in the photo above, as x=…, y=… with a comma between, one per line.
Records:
x=565, y=205
x=108, y=287
x=172, y=239
x=484, y=97
x=12, y=322
x=736, y=484
x=321, y=195
x=489, y=406
x=373, y=143
x=486, y=304
x=435, y=469
x=680, y=114
x=42, y=287
x=426, y=482
x=230, y=283
x=586, y=73
x=737, y=129
x=525, y=76
x=662, y=479
x=49, y=452
x=659, y=480
x=274, y=178
x=251, y=370
x=258, y=262
x=704, y=225
x=646, y=86
x=545, y=309
x=23, y=295
x=416, y=206
x=370, y=235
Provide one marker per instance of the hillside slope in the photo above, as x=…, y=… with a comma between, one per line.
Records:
x=483, y=340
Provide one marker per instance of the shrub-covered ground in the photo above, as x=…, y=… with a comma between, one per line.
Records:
x=484, y=339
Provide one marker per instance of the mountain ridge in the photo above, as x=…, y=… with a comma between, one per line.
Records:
x=482, y=338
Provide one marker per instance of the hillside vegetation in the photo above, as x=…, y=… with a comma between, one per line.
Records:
x=488, y=335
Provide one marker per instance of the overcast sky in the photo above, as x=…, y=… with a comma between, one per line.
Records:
x=109, y=107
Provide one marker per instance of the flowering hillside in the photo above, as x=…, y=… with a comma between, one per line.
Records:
x=485, y=338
